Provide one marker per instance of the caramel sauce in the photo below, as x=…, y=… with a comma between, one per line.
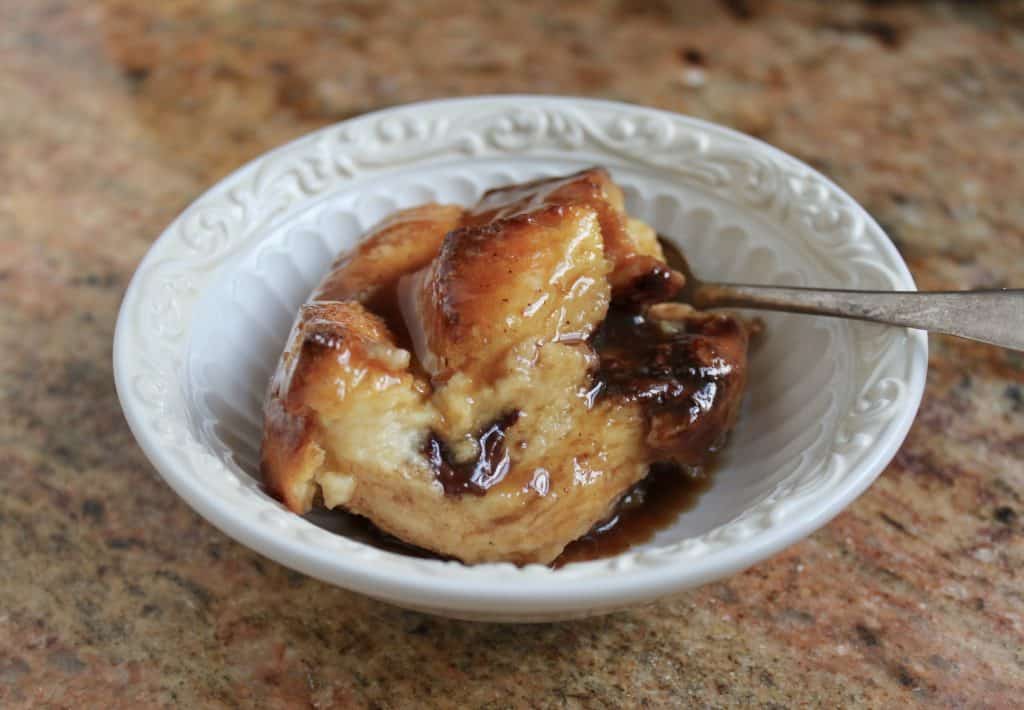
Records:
x=651, y=505
x=641, y=363
x=686, y=370
x=683, y=380
x=490, y=467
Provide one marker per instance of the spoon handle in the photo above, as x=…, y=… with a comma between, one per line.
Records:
x=995, y=316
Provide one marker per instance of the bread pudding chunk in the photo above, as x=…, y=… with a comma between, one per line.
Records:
x=488, y=383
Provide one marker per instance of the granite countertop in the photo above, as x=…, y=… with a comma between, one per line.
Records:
x=114, y=115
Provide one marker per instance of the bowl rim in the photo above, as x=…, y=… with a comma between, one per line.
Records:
x=552, y=592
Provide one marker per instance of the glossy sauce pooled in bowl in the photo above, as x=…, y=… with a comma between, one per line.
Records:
x=489, y=384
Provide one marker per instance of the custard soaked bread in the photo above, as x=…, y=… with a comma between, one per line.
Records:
x=487, y=383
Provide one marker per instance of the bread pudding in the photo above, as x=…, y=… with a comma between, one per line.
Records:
x=488, y=382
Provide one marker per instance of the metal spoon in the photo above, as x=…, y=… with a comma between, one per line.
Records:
x=992, y=316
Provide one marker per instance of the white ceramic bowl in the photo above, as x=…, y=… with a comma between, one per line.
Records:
x=205, y=317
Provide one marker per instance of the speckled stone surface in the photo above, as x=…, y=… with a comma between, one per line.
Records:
x=114, y=115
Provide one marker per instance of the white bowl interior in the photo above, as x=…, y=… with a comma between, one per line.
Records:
x=800, y=380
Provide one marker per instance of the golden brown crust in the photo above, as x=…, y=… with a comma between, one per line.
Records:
x=403, y=243
x=539, y=276
x=328, y=341
x=638, y=273
x=287, y=452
